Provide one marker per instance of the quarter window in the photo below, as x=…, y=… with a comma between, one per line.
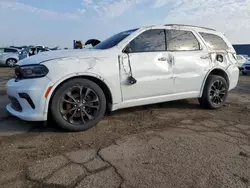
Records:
x=180, y=40
x=214, y=41
x=149, y=41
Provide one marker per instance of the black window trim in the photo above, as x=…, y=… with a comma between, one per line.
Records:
x=166, y=50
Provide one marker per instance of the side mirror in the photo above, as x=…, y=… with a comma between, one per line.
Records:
x=127, y=50
x=131, y=80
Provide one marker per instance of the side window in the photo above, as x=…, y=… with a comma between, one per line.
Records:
x=180, y=40
x=8, y=50
x=214, y=41
x=149, y=41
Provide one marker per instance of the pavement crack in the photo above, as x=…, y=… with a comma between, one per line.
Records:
x=116, y=170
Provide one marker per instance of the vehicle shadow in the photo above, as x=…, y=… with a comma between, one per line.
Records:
x=11, y=125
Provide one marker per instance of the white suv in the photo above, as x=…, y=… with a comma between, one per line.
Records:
x=152, y=64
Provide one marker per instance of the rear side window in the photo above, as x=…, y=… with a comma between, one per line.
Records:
x=149, y=41
x=180, y=40
x=214, y=41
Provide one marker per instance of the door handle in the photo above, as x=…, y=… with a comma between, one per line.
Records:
x=162, y=59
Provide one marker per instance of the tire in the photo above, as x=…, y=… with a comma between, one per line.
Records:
x=83, y=111
x=244, y=73
x=11, y=62
x=211, y=95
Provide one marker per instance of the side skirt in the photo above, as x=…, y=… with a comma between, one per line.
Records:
x=154, y=100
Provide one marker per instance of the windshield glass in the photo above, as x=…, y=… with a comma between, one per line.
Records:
x=114, y=40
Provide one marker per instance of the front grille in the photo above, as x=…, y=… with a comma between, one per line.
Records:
x=247, y=68
x=15, y=104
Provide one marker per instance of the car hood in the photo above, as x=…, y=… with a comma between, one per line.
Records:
x=58, y=54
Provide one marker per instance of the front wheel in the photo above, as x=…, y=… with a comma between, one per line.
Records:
x=11, y=62
x=78, y=105
x=214, y=93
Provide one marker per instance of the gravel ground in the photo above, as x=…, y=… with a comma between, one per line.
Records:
x=22, y=143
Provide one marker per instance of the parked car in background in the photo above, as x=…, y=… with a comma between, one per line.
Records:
x=245, y=56
x=19, y=47
x=245, y=68
x=24, y=53
x=142, y=66
x=241, y=59
x=9, y=56
x=37, y=49
x=32, y=50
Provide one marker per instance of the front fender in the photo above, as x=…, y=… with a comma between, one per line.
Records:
x=69, y=76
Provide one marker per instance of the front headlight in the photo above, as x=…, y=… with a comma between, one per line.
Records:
x=31, y=71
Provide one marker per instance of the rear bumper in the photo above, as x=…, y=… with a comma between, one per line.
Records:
x=233, y=73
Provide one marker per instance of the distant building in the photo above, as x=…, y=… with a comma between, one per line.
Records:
x=242, y=49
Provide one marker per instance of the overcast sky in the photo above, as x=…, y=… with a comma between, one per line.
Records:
x=59, y=22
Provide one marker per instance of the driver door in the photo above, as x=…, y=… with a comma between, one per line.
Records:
x=148, y=62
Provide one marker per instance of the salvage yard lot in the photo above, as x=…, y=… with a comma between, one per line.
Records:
x=174, y=144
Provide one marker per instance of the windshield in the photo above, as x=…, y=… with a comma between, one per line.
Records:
x=114, y=40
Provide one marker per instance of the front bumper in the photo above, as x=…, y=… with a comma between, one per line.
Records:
x=22, y=108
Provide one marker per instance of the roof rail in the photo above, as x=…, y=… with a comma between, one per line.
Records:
x=189, y=26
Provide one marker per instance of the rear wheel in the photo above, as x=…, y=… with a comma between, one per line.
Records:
x=214, y=93
x=11, y=62
x=78, y=105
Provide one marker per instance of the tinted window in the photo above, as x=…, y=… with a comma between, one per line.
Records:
x=10, y=50
x=114, y=40
x=214, y=41
x=178, y=40
x=149, y=41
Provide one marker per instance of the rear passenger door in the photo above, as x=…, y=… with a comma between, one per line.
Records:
x=191, y=61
